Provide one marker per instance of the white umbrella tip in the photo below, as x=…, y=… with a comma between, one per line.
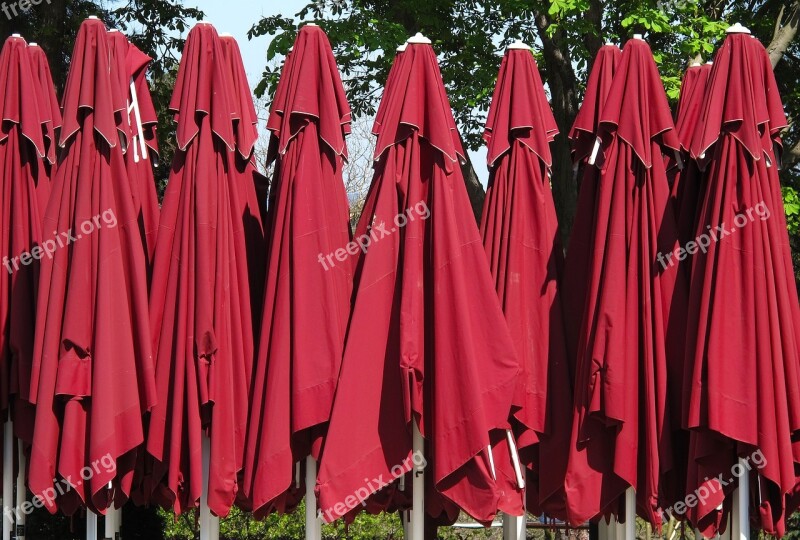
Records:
x=226, y=34
x=202, y=22
x=710, y=63
x=638, y=36
x=33, y=44
x=311, y=24
x=518, y=45
x=93, y=17
x=113, y=30
x=291, y=49
x=737, y=28
x=695, y=64
x=419, y=38
x=402, y=47
x=16, y=35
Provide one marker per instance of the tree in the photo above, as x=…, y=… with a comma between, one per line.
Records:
x=470, y=35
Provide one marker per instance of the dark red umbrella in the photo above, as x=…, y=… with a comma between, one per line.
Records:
x=520, y=235
x=23, y=158
x=92, y=372
x=307, y=299
x=743, y=334
x=583, y=138
x=50, y=113
x=139, y=122
x=253, y=186
x=687, y=181
x=621, y=428
x=427, y=342
x=201, y=311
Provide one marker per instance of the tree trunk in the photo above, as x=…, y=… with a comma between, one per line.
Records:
x=474, y=188
x=564, y=93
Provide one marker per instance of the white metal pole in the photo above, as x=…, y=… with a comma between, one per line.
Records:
x=91, y=525
x=603, y=530
x=209, y=525
x=514, y=527
x=630, y=514
x=740, y=518
x=313, y=523
x=417, y=526
x=22, y=491
x=8, y=477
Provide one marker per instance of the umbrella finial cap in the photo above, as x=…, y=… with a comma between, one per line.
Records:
x=113, y=30
x=16, y=35
x=695, y=64
x=419, y=38
x=518, y=45
x=225, y=34
x=402, y=47
x=33, y=44
x=311, y=24
x=638, y=36
x=737, y=28
x=710, y=62
x=202, y=22
x=93, y=17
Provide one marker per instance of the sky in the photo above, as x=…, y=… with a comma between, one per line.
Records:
x=236, y=17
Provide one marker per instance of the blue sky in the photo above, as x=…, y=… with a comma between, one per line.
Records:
x=237, y=16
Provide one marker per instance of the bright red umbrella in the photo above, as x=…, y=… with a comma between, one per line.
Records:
x=621, y=428
x=743, y=333
x=520, y=235
x=427, y=340
x=139, y=122
x=23, y=158
x=583, y=137
x=92, y=372
x=307, y=299
x=50, y=113
x=200, y=309
x=687, y=181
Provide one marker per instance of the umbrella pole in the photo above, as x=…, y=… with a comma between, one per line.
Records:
x=22, y=491
x=8, y=477
x=740, y=518
x=313, y=525
x=630, y=514
x=91, y=525
x=209, y=525
x=417, y=520
x=514, y=527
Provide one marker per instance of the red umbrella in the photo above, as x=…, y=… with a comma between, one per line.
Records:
x=307, y=300
x=50, y=112
x=743, y=333
x=139, y=121
x=92, y=370
x=621, y=427
x=253, y=185
x=427, y=343
x=201, y=305
x=583, y=137
x=520, y=234
x=22, y=161
x=687, y=182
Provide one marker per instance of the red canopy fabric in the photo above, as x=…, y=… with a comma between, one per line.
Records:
x=307, y=300
x=687, y=182
x=92, y=370
x=621, y=428
x=742, y=385
x=583, y=135
x=520, y=235
x=131, y=69
x=427, y=339
x=50, y=113
x=201, y=311
x=22, y=160
x=253, y=186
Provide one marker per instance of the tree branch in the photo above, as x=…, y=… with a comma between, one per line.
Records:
x=791, y=156
x=785, y=32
